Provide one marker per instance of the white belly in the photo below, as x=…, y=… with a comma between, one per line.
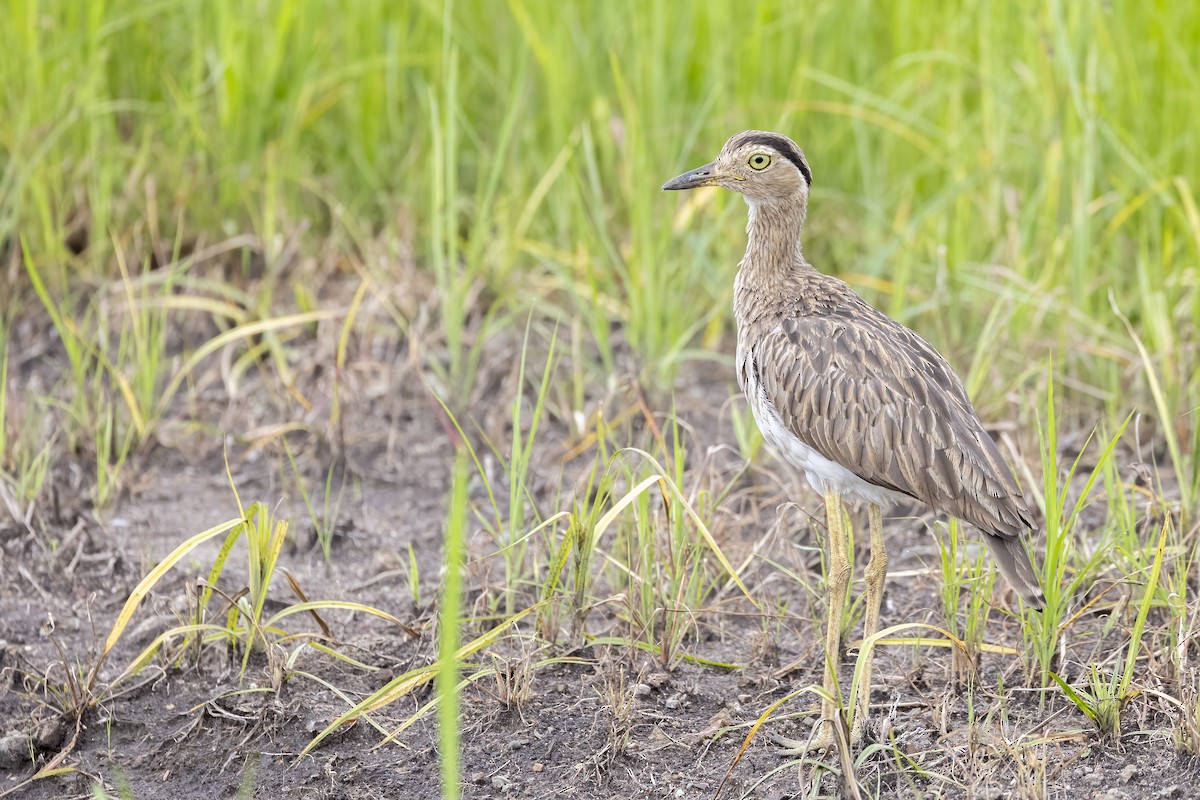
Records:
x=822, y=474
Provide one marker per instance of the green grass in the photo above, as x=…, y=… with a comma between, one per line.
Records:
x=448, y=632
x=967, y=582
x=181, y=184
x=523, y=145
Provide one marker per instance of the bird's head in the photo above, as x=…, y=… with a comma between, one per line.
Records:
x=764, y=167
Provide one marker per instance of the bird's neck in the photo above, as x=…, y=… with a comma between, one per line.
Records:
x=772, y=241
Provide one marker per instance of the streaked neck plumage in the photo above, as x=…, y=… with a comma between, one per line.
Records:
x=772, y=253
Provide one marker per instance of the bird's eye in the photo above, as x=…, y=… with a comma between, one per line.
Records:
x=759, y=161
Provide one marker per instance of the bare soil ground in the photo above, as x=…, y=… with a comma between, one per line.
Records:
x=613, y=723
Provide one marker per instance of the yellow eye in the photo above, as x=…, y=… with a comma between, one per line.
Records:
x=759, y=161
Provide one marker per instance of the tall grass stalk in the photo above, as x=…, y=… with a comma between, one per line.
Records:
x=447, y=680
x=1066, y=567
x=1107, y=694
x=515, y=542
x=967, y=577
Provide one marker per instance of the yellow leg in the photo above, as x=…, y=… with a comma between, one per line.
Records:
x=840, y=570
x=837, y=581
x=873, y=576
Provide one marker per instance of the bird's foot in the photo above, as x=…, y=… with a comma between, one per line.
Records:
x=823, y=739
x=856, y=732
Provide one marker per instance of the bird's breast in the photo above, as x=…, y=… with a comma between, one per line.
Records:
x=823, y=474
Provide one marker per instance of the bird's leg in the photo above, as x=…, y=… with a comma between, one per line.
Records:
x=873, y=576
x=838, y=580
x=837, y=583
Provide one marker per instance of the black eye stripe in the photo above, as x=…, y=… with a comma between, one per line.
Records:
x=785, y=149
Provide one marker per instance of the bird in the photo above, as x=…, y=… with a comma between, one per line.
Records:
x=865, y=407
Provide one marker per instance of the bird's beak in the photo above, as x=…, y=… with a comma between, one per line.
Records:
x=700, y=176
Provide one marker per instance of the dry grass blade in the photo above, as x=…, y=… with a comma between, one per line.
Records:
x=885, y=636
x=298, y=590
x=155, y=575
x=761, y=720
x=238, y=334
x=401, y=685
x=1165, y=412
x=311, y=606
x=663, y=479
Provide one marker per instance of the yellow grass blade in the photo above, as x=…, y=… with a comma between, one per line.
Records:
x=345, y=605
x=403, y=684
x=155, y=575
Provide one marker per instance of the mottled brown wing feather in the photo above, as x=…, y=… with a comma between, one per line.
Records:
x=864, y=391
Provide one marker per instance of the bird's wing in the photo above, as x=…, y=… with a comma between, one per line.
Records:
x=866, y=392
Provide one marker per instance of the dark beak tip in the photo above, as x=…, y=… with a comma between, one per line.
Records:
x=692, y=179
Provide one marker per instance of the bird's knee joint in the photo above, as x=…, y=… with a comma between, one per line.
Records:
x=839, y=574
x=876, y=567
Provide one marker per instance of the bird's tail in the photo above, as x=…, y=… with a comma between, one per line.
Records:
x=1017, y=569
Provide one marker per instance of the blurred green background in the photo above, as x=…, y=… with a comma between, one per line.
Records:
x=990, y=173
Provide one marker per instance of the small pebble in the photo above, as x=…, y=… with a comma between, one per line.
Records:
x=1169, y=791
x=50, y=733
x=517, y=744
x=1129, y=773
x=538, y=766
x=500, y=782
x=641, y=689
x=478, y=777
x=14, y=751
